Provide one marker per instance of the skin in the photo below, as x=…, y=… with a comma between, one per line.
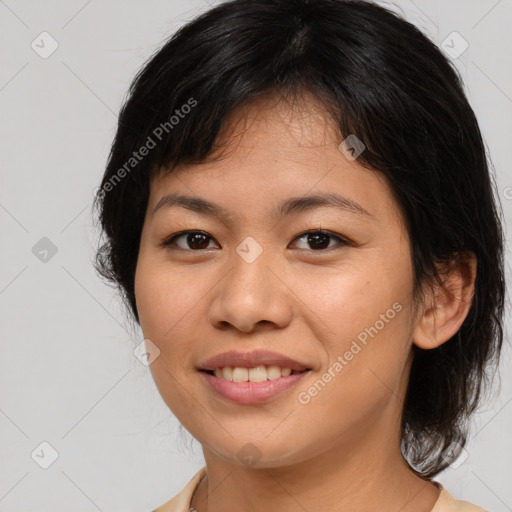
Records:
x=340, y=451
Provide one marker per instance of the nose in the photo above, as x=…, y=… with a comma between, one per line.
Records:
x=251, y=296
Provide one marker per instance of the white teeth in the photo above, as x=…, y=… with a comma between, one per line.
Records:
x=273, y=372
x=240, y=374
x=256, y=374
x=227, y=373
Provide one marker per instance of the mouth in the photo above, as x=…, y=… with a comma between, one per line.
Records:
x=256, y=360
x=239, y=388
x=251, y=377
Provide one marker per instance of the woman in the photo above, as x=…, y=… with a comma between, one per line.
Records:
x=299, y=213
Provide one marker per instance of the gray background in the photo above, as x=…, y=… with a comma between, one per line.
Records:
x=68, y=376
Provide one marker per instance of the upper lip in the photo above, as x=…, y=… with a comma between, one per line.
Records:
x=251, y=360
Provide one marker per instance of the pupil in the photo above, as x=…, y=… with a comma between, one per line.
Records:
x=194, y=241
x=313, y=238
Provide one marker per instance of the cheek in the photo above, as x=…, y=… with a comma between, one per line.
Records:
x=170, y=303
x=348, y=301
x=166, y=299
x=365, y=324
x=160, y=309
x=366, y=369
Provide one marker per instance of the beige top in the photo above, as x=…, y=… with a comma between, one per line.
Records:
x=181, y=502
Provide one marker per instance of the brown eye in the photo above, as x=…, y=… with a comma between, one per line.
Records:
x=193, y=240
x=319, y=240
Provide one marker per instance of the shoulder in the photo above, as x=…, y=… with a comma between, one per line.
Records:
x=181, y=502
x=447, y=503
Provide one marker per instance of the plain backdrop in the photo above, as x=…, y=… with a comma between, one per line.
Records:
x=72, y=395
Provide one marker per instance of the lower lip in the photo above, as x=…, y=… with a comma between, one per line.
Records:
x=252, y=392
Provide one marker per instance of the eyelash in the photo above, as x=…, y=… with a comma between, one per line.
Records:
x=168, y=242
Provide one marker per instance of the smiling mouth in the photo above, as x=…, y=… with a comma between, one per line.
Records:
x=252, y=386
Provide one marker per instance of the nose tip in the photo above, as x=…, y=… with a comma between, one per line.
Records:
x=251, y=296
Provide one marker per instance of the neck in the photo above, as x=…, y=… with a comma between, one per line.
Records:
x=363, y=475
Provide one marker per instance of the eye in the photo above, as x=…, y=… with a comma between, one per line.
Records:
x=196, y=240
x=199, y=240
x=319, y=239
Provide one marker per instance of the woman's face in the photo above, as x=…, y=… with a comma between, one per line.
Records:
x=338, y=303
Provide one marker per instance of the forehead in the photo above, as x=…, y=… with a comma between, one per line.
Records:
x=275, y=121
x=273, y=149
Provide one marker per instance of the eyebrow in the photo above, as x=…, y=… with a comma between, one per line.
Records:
x=289, y=206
